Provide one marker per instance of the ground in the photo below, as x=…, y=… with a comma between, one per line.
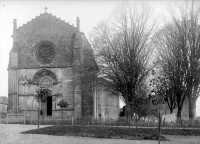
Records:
x=11, y=134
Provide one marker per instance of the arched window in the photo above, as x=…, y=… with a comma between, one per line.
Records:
x=45, y=81
x=44, y=77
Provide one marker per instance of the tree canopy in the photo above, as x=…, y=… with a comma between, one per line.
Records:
x=123, y=46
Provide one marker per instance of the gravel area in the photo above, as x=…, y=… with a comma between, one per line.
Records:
x=11, y=134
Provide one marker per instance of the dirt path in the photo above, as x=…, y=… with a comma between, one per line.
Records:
x=11, y=134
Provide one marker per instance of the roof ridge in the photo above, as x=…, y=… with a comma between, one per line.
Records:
x=36, y=17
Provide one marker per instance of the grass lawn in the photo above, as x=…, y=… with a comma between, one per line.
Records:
x=112, y=132
x=99, y=132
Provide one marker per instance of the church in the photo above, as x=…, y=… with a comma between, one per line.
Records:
x=51, y=53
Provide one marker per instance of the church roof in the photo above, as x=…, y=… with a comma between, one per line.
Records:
x=45, y=15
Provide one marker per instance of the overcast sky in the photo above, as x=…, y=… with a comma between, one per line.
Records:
x=90, y=13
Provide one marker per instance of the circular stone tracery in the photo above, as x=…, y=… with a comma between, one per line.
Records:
x=45, y=53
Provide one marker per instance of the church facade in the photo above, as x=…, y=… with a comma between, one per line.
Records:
x=48, y=52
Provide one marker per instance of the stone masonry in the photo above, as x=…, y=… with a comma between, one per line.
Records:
x=46, y=53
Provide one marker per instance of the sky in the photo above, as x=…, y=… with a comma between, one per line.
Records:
x=89, y=12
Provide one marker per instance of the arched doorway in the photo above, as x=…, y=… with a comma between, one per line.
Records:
x=46, y=82
x=46, y=79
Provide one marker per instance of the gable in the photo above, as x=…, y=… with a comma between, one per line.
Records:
x=45, y=21
x=44, y=28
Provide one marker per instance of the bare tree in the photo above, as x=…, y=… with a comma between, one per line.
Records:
x=163, y=88
x=192, y=56
x=170, y=42
x=181, y=41
x=123, y=44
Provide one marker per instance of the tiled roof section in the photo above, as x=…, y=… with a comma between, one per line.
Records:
x=45, y=14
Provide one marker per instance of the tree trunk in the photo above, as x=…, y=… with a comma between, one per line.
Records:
x=191, y=111
x=171, y=110
x=129, y=121
x=62, y=117
x=38, y=116
x=179, y=120
x=136, y=122
x=128, y=114
x=159, y=126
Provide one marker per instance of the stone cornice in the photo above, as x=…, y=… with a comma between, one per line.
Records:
x=3, y=103
x=15, y=68
x=68, y=109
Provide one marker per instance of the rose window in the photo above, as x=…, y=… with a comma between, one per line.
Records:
x=45, y=53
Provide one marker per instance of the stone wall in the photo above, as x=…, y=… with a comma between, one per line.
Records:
x=3, y=106
x=64, y=88
x=43, y=28
x=68, y=50
x=12, y=91
x=184, y=112
x=107, y=105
